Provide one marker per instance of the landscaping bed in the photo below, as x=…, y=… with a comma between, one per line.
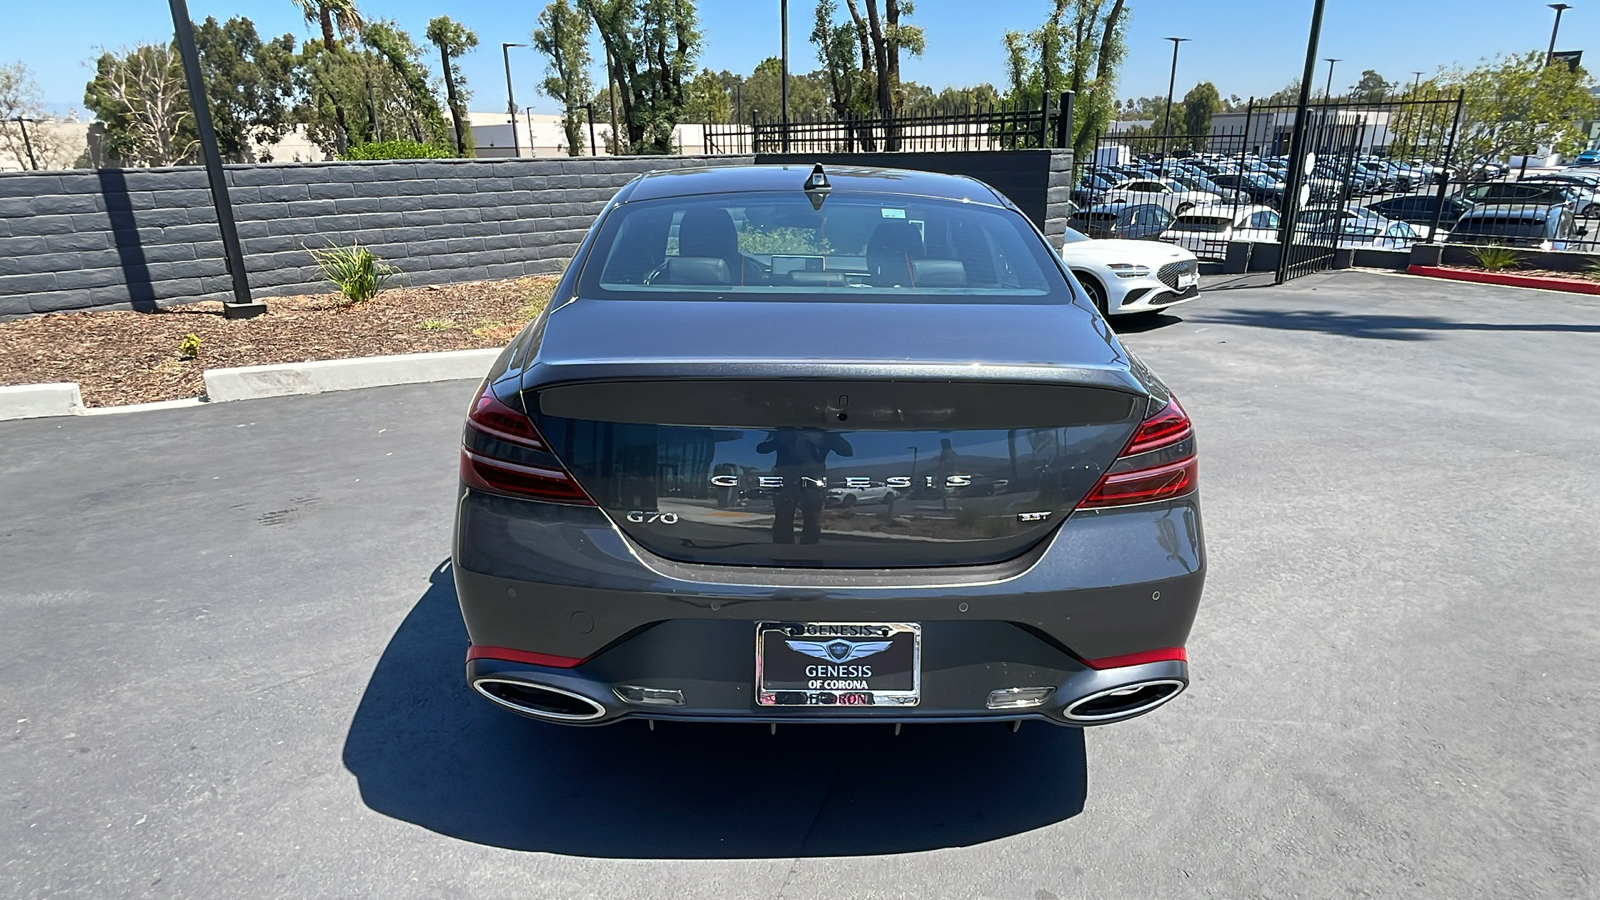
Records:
x=119, y=358
x=1571, y=282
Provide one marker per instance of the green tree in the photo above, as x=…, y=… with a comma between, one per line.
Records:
x=141, y=98
x=383, y=81
x=1078, y=48
x=849, y=93
x=563, y=35
x=1288, y=95
x=1370, y=87
x=249, y=86
x=1512, y=104
x=331, y=14
x=1199, y=105
x=651, y=47
x=708, y=100
x=454, y=40
x=881, y=39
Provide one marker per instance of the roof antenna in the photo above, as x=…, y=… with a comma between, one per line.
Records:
x=817, y=186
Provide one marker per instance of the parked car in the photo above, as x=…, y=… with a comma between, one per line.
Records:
x=1169, y=195
x=1531, y=191
x=1138, y=221
x=1124, y=277
x=1549, y=226
x=1586, y=189
x=1356, y=228
x=1090, y=188
x=1417, y=210
x=1256, y=187
x=904, y=327
x=861, y=491
x=1207, y=230
x=1590, y=157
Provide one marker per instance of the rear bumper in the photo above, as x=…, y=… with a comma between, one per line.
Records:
x=564, y=582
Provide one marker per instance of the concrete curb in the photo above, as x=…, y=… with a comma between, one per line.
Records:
x=1507, y=279
x=34, y=401
x=252, y=382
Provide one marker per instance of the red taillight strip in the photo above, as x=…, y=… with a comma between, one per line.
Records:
x=507, y=654
x=1168, y=654
x=1168, y=426
x=552, y=474
x=518, y=439
x=1144, y=485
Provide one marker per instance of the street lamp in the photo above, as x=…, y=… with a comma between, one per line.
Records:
x=1172, y=81
x=784, y=55
x=511, y=101
x=1327, y=92
x=1416, y=85
x=1559, y=8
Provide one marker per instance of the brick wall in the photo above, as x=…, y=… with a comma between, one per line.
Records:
x=141, y=238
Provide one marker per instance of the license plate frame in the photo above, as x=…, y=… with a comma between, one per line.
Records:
x=779, y=684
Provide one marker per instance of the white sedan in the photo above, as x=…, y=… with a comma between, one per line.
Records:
x=1125, y=277
x=1208, y=229
x=1166, y=193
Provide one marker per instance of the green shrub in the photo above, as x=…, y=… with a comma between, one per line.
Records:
x=355, y=271
x=1496, y=258
x=397, y=150
x=189, y=347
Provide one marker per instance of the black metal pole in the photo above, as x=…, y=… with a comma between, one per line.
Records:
x=1297, y=145
x=784, y=16
x=27, y=144
x=594, y=149
x=1327, y=92
x=1560, y=8
x=511, y=100
x=242, y=306
x=1172, y=81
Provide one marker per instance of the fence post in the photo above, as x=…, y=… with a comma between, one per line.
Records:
x=1064, y=120
x=1044, y=121
x=1444, y=173
x=755, y=132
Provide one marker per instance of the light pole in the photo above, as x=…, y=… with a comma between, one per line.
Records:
x=1560, y=8
x=1327, y=92
x=511, y=101
x=784, y=90
x=1417, y=84
x=1172, y=81
x=242, y=306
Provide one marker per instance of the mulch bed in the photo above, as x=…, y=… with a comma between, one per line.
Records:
x=134, y=357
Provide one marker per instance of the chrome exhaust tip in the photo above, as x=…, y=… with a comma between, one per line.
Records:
x=1123, y=702
x=538, y=700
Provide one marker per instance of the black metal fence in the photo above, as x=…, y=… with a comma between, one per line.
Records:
x=995, y=127
x=1380, y=174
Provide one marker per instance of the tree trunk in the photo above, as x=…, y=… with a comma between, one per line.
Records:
x=326, y=20
x=450, y=95
x=1102, y=63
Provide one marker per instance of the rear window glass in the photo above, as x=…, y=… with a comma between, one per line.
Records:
x=746, y=245
x=1507, y=227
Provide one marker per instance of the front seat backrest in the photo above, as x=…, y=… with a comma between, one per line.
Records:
x=708, y=233
x=890, y=252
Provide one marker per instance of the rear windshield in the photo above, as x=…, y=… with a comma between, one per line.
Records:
x=749, y=245
x=1202, y=223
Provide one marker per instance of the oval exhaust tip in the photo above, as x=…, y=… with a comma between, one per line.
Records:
x=1124, y=702
x=540, y=701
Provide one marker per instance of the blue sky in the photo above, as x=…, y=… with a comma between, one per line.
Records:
x=1245, y=46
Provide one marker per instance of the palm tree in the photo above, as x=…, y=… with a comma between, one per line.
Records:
x=330, y=13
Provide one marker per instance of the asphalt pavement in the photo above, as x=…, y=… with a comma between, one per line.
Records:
x=230, y=659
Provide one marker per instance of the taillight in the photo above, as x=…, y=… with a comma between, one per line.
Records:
x=501, y=451
x=1158, y=463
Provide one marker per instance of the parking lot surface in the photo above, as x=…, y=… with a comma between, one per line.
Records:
x=230, y=659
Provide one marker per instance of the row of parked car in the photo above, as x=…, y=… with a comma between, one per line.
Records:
x=1171, y=200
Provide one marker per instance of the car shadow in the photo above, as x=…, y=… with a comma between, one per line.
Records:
x=1143, y=322
x=1375, y=326
x=425, y=749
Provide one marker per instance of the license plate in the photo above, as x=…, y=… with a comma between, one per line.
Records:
x=838, y=664
x=1187, y=281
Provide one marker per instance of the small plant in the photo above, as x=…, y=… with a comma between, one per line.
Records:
x=355, y=271
x=189, y=347
x=1496, y=258
x=436, y=325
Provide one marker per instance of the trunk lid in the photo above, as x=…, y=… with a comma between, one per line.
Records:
x=770, y=434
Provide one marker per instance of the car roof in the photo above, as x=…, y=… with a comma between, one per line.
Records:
x=1513, y=210
x=664, y=183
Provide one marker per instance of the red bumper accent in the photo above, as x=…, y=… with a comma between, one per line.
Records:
x=1139, y=659
x=522, y=656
